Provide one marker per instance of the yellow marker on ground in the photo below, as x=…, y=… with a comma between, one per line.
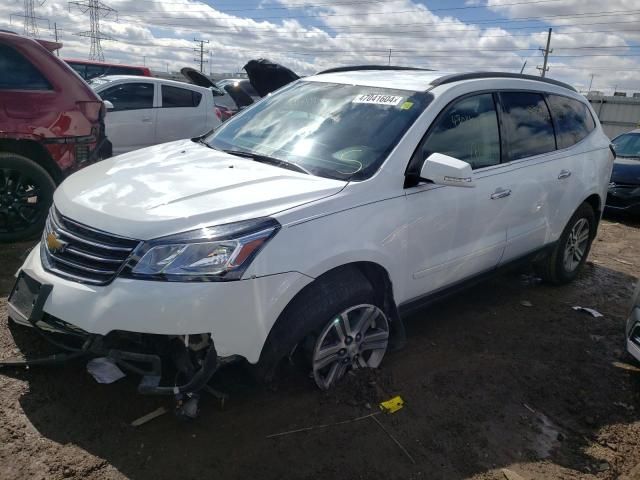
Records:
x=392, y=405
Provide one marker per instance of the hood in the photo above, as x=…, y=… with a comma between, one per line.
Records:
x=266, y=76
x=626, y=170
x=181, y=186
x=199, y=79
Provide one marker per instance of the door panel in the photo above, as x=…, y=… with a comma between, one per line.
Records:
x=181, y=115
x=531, y=149
x=131, y=123
x=457, y=232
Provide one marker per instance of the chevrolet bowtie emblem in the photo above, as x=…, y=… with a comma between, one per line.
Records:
x=54, y=244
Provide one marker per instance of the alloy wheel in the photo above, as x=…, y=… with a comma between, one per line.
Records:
x=356, y=338
x=20, y=201
x=577, y=244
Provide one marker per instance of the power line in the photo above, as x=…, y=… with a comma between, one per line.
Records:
x=352, y=14
x=96, y=9
x=228, y=29
x=465, y=27
x=290, y=6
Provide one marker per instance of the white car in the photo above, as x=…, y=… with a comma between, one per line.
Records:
x=309, y=223
x=145, y=111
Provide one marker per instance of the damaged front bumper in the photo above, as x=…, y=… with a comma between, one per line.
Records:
x=238, y=315
x=193, y=358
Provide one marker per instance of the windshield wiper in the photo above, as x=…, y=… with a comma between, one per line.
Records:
x=270, y=160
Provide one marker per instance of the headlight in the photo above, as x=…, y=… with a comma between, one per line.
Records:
x=208, y=254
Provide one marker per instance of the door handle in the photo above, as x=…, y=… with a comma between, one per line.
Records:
x=500, y=193
x=146, y=119
x=564, y=174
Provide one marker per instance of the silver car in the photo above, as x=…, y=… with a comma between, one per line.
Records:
x=633, y=325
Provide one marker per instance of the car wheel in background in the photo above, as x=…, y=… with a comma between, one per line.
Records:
x=571, y=251
x=26, y=193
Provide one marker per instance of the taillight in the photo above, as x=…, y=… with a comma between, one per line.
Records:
x=218, y=113
x=91, y=110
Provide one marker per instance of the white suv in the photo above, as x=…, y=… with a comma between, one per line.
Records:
x=310, y=222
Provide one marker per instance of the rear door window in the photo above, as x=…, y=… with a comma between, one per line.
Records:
x=467, y=130
x=173, y=97
x=572, y=119
x=17, y=73
x=129, y=96
x=527, y=124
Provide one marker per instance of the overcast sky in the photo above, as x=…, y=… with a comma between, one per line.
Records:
x=589, y=36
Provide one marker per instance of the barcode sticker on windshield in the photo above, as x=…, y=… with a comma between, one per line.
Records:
x=378, y=99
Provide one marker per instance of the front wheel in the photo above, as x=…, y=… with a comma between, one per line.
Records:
x=334, y=325
x=356, y=338
x=571, y=251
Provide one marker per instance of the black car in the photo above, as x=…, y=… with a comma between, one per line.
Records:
x=624, y=189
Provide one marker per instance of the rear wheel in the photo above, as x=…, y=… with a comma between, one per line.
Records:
x=26, y=193
x=571, y=251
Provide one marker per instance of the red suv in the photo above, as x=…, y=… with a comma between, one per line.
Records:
x=51, y=124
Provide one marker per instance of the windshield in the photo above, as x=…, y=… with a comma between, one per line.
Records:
x=331, y=130
x=627, y=145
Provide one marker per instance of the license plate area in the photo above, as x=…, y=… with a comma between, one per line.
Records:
x=28, y=297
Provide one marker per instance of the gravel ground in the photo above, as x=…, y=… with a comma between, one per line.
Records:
x=489, y=383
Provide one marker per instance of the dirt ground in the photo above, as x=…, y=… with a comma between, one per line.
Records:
x=489, y=383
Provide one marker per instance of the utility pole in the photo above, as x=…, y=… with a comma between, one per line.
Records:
x=591, y=82
x=55, y=31
x=202, y=52
x=389, y=62
x=544, y=69
x=96, y=10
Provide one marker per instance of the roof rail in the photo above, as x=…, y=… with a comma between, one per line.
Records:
x=354, y=68
x=457, y=77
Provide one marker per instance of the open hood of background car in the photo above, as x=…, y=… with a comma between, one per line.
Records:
x=200, y=79
x=266, y=76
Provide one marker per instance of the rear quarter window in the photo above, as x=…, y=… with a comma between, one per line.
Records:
x=572, y=119
x=17, y=73
x=173, y=97
x=527, y=123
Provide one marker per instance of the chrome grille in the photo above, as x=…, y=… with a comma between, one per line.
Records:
x=81, y=253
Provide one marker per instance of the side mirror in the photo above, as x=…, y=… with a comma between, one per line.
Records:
x=108, y=105
x=445, y=170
